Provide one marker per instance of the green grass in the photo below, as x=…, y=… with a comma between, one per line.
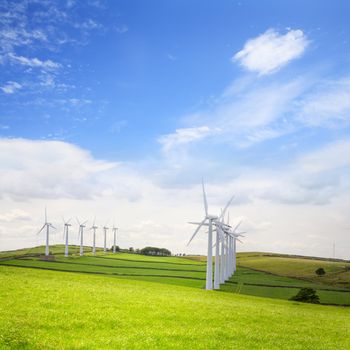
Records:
x=57, y=310
x=188, y=271
x=337, y=272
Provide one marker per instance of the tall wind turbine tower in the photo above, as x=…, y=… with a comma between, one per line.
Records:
x=105, y=228
x=65, y=235
x=114, y=229
x=208, y=220
x=81, y=234
x=94, y=228
x=47, y=225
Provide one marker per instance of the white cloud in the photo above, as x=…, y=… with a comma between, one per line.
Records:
x=329, y=157
x=327, y=105
x=122, y=29
x=10, y=87
x=15, y=215
x=270, y=51
x=54, y=169
x=184, y=136
x=34, y=62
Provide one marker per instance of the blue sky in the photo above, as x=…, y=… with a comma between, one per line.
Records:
x=148, y=97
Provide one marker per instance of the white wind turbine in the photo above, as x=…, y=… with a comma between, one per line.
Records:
x=220, y=237
x=114, y=229
x=233, y=238
x=81, y=234
x=47, y=225
x=207, y=221
x=65, y=235
x=94, y=228
x=105, y=228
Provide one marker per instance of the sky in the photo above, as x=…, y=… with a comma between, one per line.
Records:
x=119, y=109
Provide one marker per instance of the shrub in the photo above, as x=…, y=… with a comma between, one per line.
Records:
x=320, y=271
x=307, y=295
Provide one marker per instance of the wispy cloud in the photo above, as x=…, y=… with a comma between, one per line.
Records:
x=10, y=87
x=34, y=62
x=328, y=104
x=270, y=51
x=185, y=136
x=121, y=29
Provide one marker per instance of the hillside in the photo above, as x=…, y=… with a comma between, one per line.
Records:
x=43, y=309
x=337, y=271
x=190, y=271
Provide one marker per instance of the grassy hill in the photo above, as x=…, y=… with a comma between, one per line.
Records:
x=43, y=309
x=337, y=271
x=263, y=275
x=131, y=301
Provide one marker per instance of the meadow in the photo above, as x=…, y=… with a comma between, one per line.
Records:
x=282, y=278
x=43, y=309
x=131, y=301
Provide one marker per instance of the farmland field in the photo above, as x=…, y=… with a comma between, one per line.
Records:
x=43, y=309
x=131, y=301
x=190, y=271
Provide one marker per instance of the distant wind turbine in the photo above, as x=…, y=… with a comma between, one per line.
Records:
x=94, y=228
x=47, y=225
x=65, y=235
x=81, y=234
x=105, y=228
x=114, y=229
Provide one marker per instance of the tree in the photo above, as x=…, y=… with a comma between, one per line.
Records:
x=306, y=295
x=131, y=249
x=155, y=251
x=320, y=271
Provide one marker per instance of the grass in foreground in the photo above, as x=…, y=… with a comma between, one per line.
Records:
x=56, y=310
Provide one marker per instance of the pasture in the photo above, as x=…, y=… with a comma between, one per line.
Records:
x=42, y=309
x=190, y=271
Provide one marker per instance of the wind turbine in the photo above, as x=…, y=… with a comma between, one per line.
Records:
x=207, y=221
x=81, y=234
x=94, y=227
x=234, y=238
x=114, y=229
x=65, y=234
x=47, y=225
x=105, y=228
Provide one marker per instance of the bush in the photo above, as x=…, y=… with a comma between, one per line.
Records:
x=155, y=251
x=307, y=295
x=320, y=271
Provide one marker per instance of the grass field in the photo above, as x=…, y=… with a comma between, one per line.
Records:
x=190, y=272
x=43, y=309
x=337, y=272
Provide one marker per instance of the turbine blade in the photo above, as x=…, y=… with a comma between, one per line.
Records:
x=84, y=222
x=197, y=229
x=227, y=205
x=205, y=199
x=94, y=221
x=197, y=223
x=45, y=215
x=236, y=227
x=41, y=229
x=53, y=226
x=78, y=221
x=239, y=240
